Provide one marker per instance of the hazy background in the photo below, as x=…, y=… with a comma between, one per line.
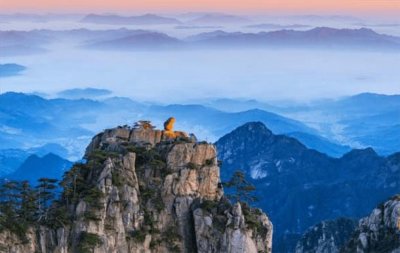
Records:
x=305, y=69
x=182, y=75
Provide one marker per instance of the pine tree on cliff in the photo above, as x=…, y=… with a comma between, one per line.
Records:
x=28, y=208
x=17, y=207
x=241, y=188
x=46, y=194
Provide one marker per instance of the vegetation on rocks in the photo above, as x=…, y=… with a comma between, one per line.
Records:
x=22, y=205
x=241, y=190
x=151, y=189
x=87, y=242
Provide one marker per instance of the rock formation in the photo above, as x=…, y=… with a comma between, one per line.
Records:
x=326, y=236
x=379, y=232
x=142, y=191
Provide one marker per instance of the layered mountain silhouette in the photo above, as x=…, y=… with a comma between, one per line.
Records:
x=299, y=187
x=317, y=37
x=368, y=119
x=36, y=41
x=271, y=26
x=147, y=19
x=35, y=167
x=28, y=120
x=22, y=42
x=82, y=93
x=11, y=159
x=147, y=40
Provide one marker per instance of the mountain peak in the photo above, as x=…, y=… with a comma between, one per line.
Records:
x=35, y=167
x=323, y=29
x=359, y=153
x=256, y=127
x=130, y=196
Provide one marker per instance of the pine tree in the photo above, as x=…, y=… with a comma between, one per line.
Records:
x=11, y=205
x=72, y=184
x=46, y=194
x=241, y=188
x=28, y=209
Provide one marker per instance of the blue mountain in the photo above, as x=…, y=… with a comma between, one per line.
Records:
x=29, y=119
x=35, y=167
x=320, y=37
x=81, y=93
x=299, y=187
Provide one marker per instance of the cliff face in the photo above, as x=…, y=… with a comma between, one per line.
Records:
x=379, y=232
x=326, y=236
x=140, y=191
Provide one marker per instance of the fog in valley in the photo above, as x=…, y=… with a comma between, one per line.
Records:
x=176, y=75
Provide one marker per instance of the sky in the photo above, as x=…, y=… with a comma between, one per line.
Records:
x=342, y=6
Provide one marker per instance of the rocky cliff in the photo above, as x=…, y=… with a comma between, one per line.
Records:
x=141, y=190
x=326, y=236
x=379, y=232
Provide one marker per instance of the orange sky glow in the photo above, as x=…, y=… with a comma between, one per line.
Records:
x=346, y=6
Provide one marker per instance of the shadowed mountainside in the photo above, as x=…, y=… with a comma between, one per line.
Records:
x=316, y=186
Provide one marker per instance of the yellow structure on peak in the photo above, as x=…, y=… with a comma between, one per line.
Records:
x=169, y=129
x=169, y=124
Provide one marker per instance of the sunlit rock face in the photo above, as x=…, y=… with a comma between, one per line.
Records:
x=380, y=231
x=145, y=192
x=143, y=133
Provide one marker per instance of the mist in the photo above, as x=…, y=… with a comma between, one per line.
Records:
x=292, y=73
x=179, y=76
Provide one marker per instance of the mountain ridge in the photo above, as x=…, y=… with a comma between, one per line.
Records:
x=304, y=180
x=146, y=19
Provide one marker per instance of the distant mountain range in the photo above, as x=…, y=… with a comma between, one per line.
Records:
x=30, y=121
x=36, y=41
x=324, y=18
x=22, y=42
x=270, y=26
x=148, y=40
x=147, y=19
x=317, y=37
x=35, y=167
x=366, y=120
x=289, y=176
x=81, y=93
x=359, y=121
x=11, y=159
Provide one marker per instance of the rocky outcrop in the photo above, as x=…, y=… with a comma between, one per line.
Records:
x=140, y=191
x=379, y=232
x=10, y=242
x=224, y=230
x=326, y=237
